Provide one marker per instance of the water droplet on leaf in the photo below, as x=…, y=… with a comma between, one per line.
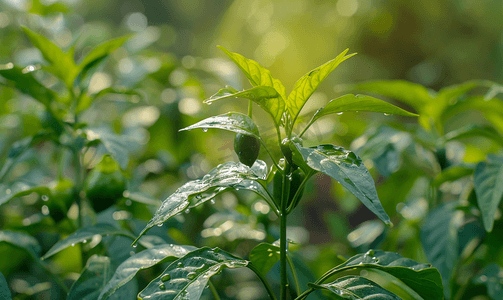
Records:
x=191, y=275
x=162, y=286
x=205, y=129
x=165, y=278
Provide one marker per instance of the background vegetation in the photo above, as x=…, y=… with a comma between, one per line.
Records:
x=172, y=63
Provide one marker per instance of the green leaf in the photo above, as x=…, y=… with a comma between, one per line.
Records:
x=99, y=53
x=83, y=235
x=488, y=180
x=41, y=9
x=351, y=102
x=356, y=287
x=492, y=277
x=117, y=145
x=412, y=94
x=264, y=256
x=345, y=167
x=96, y=274
x=256, y=74
x=85, y=100
x=474, y=130
x=454, y=173
x=23, y=241
x=61, y=65
x=235, y=122
x=23, y=80
x=141, y=261
x=19, y=189
x=307, y=84
x=187, y=277
x=266, y=97
x=224, y=176
x=4, y=288
x=439, y=237
x=421, y=278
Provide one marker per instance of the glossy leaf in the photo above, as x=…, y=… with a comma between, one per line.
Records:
x=83, y=235
x=264, y=256
x=421, y=278
x=187, y=277
x=96, y=274
x=141, y=261
x=226, y=175
x=412, y=94
x=488, y=180
x=19, y=189
x=356, y=287
x=21, y=240
x=4, y=288
x=360, y=103
x=61, y=65
x=492, y=277
x=439, y=237
x=256, y=74
x=236, y=122
x=307, y=84
x=25, y=82
x=99, y=53
x=345, y=167
x=454, y=173
x=265, y=96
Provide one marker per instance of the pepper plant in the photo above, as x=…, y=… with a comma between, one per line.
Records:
x=187, y=277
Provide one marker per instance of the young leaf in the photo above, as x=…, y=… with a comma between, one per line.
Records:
x=412, y=94
x=23, y=241
x=421, y=278
x=99, y=53
x=85, y=234
x=257, y=74
x=61, y=64
x=360, y=103
x=266, y=97
x=187, y=277
x=96, y=274
x=345, y=167
x=235, y=122
x=27, y=84
x=4, y=288
x=488, y=179
x=264, y=256
x=307, y=84
x=141, y=261
x=356, y=287
x=224, y=176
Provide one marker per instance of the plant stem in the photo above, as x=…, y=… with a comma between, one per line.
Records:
x=264, y=281
x=78, y=184
x=283, y=242
x=213, y=290
x=304, y=294
x=250, y=108
x=270, y=155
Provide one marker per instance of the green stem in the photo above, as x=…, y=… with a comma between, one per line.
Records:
x=213, y=290
x=307, y=126
x=296, y=197
x=273, y=205
x=283, y=242
x=264, y=281
x=78, y=184
x=269, y=153
x=294, y=274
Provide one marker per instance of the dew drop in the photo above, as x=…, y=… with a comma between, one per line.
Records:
x=84, y=241
x=191, y=275
x=339, y=113
x=386, y=114
x=179, y=265
x=205, y=129
x=212, y=201
x=187, y=211
x=165, y=278
x=73, y=244
x=135, y=245
x=159, y=225
x=162, y=286
x=45, y=198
